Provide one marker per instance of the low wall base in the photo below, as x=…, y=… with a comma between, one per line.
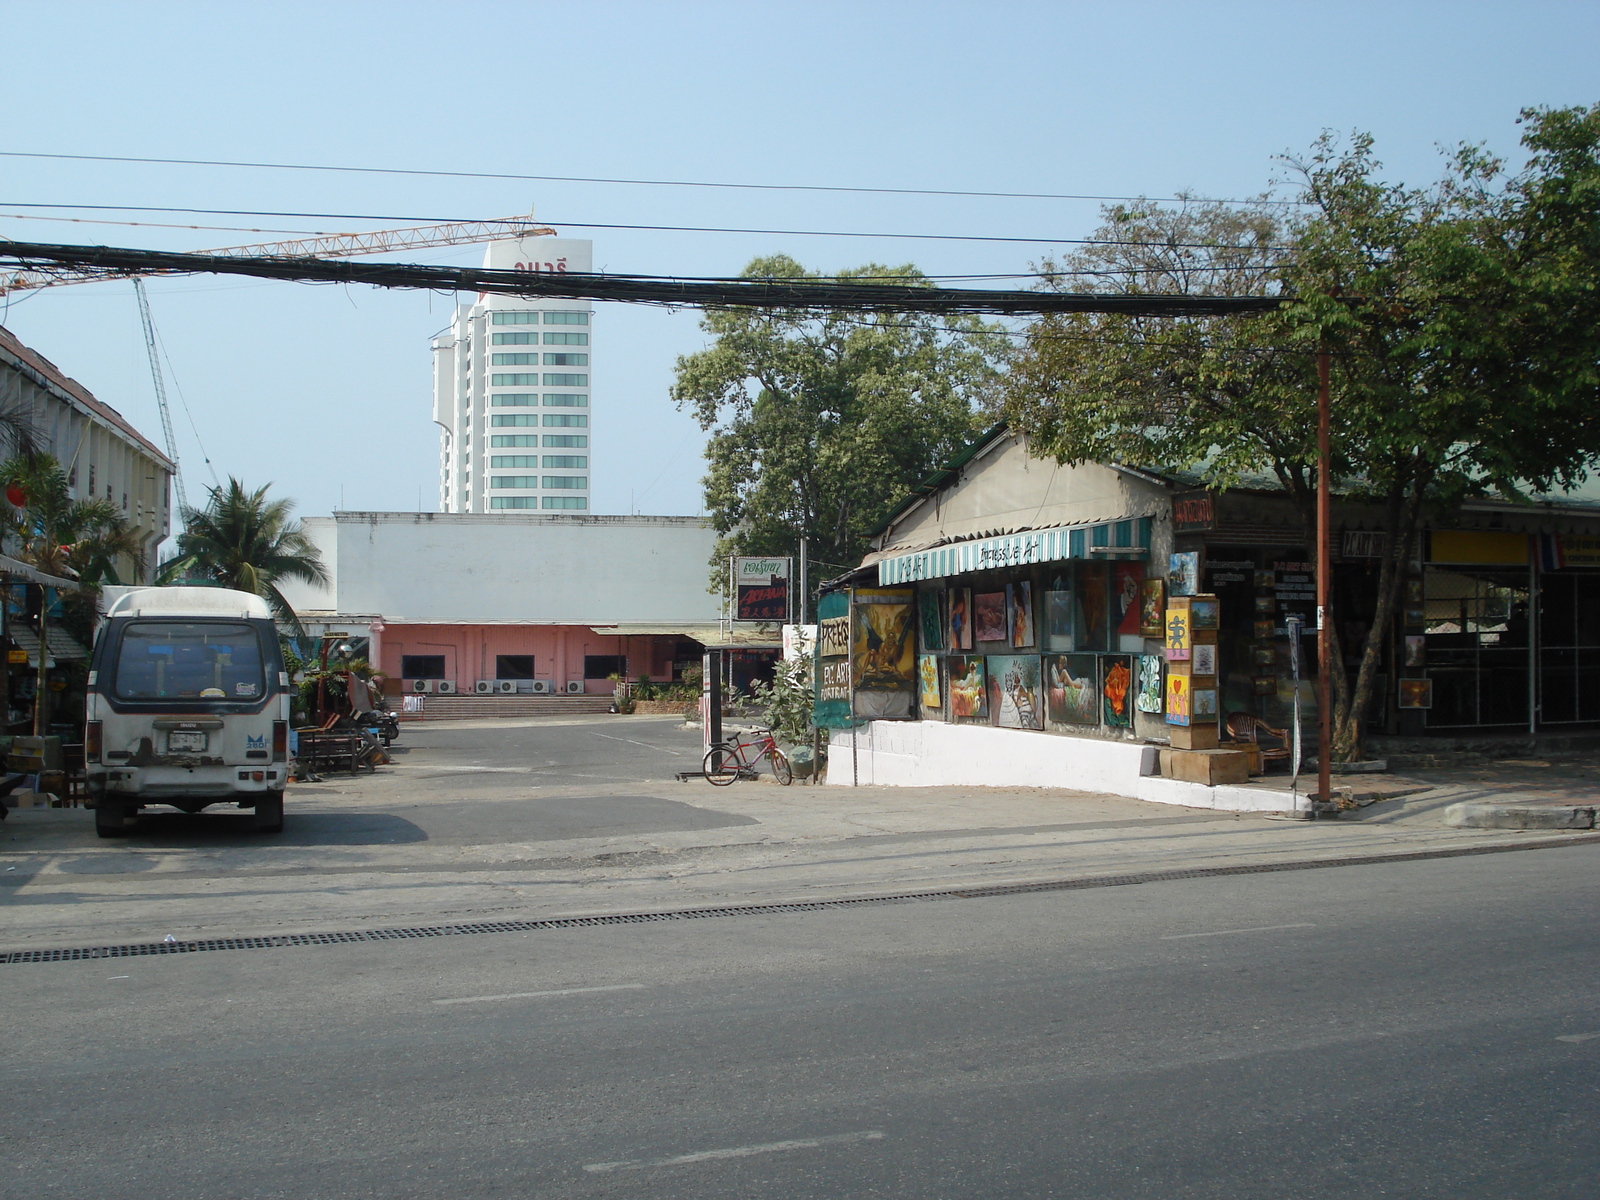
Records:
x=933, y=754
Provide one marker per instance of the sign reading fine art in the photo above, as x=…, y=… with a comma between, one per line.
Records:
x=761, y=589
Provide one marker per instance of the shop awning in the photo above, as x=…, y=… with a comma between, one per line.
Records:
x=714, y=634
x=1129, y=539
x=63, y=647
x=16, y=567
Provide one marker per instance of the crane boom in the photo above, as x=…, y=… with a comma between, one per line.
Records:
x=333, y=245
x=161, y=392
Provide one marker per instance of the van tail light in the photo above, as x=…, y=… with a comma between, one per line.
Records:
x=280, y=741
x=93, y=735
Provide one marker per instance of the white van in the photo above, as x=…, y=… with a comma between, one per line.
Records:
x=188, y=705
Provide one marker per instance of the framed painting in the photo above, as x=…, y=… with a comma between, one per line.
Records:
x=1019, y=613
x=931, y=622
x=1072, y=690
x=990, y=616
x=964, y=677
x=1416, y=693
x=1127, y=611
x=1058, y=631
x=1014, y=691
x=958, y=619
x=1150, y=680
x=1116, y=688
x=928, y=679
x=1152, y=607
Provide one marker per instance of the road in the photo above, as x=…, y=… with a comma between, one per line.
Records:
x=1420, y=1029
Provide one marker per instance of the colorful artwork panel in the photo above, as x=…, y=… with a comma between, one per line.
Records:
x=932, y=623
x=1153, y=607
x=1058, y=616
x=1204, y=661
x=1177, y=699
x=1126, y=610
x=1183, y=573
x=1116, y=688
x=958, y=619
x=928, y=676
x=1072, y=690
x=1150, y=681
x=1204, y=613
x=1014, y=691
x=1178, y=635
x=1416, y=693
x=968, y=698
x=990, y=616
x=1416, y=650
x=1094, y=600
x=1019, y=613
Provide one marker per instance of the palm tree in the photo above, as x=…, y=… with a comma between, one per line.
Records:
x=244, y=541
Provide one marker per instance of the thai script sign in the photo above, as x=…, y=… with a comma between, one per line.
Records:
x=761, y=589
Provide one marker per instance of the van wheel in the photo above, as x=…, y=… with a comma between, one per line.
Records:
x=269, y=814
x=110, y=818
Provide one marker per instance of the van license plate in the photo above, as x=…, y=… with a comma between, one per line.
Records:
x=185, y=742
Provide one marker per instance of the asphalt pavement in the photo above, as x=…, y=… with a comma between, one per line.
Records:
x=1412, y=1029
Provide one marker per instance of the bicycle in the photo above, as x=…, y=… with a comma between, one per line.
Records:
x=728, y=760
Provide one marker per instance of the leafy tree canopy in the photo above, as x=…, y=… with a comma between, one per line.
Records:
x=821, y=422
x=1462, y=321
x=245, y=541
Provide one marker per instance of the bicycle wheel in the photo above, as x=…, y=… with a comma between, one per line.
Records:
x=722, y=772
x=781, y=770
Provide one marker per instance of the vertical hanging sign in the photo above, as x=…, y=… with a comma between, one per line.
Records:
x=761, y=589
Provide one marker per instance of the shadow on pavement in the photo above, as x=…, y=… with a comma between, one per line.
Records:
x=174, y=830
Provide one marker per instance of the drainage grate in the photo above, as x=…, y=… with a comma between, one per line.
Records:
x=277, y=941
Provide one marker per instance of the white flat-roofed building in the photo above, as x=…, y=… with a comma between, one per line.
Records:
x=511, y=391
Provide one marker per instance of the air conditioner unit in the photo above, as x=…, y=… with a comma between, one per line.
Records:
x=419, y=685
x=483, y=687
x=542, y=687
x=445, y=687
x=506, y=687
x=574, y=687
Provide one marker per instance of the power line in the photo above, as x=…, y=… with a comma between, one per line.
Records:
x=683, y=183
x=843, y=233
x=638, y=289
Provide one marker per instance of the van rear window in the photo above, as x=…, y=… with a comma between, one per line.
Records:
x=176, y=660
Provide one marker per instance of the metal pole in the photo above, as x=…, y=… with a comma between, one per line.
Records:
x=41, y=679
x=1324, y=571
x=802, y=617
x=1532, y=626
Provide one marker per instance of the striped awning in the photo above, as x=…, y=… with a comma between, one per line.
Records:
x=1129, y=539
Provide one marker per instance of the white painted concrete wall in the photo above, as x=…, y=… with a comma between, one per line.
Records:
x=514, y=567
x=931, y=753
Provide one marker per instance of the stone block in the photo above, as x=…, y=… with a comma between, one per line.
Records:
x=1507, y=814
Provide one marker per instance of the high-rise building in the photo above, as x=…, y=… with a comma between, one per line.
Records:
x=511, y=391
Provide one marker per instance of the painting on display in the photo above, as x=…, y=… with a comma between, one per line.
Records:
x=1264, y=656
x=964, y=678
x=1152, y=607
x=1416, y=650
x=1183, y=573
x=928, y=676
x=1019, y=613
x=1178, y=639
x=1116, y=688
x=932, y=623
x=1204, y=614
x=1266, y=685
x=1266, y=604
x=1072, y=689
x=1203, y=704
x=990, y=616
x=1204, y=661
x=1416, y=693
x=1014, y=691
x=883, y=655
x=1265, y=631
x=1058, y=616
x=1127, y=613
x=1177, y=699
x=1094, y=606
x=958, y=619
x=1149, y=699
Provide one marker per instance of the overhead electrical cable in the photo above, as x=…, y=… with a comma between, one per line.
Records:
x=840, y=295
x=681, y=183
x=845, y=233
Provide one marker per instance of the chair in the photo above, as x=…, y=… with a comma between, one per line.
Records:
x=1247, y=727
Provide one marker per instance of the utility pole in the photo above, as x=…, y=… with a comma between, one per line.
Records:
x=1324, y=570
x=801, y=620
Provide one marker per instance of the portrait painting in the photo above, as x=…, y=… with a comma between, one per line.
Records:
x=1116, y=688
x=1014, y=691
x=990, y=616
x=968, y=695
x=1072, y=689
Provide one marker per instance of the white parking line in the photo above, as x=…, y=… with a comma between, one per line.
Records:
x=1577, y=1038
x=837, y=1139
x=610, y=987
x=630, y=741
x=1171, y=937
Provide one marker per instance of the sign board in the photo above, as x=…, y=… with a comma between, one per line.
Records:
x=760, y=589
x=1193, y=512
x=831, y=707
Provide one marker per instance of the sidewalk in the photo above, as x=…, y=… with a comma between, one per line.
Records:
x=749, y=843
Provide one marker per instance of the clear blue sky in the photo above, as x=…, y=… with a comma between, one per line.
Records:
x=326, y=391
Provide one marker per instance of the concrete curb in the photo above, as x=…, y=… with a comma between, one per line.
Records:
x=1507, y=814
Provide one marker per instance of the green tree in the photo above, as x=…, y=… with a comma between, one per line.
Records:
x=88, y=540
x=1461, y=320
x=245, y=541
x=821, y=422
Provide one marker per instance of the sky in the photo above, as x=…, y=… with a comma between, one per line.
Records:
x=325, y=391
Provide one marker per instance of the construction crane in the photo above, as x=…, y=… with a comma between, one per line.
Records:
x=161, y=392
x=332, y=245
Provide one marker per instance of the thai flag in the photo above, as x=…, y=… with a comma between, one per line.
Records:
x=1551, y=557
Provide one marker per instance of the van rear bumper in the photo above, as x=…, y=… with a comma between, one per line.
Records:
x=156, y=782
